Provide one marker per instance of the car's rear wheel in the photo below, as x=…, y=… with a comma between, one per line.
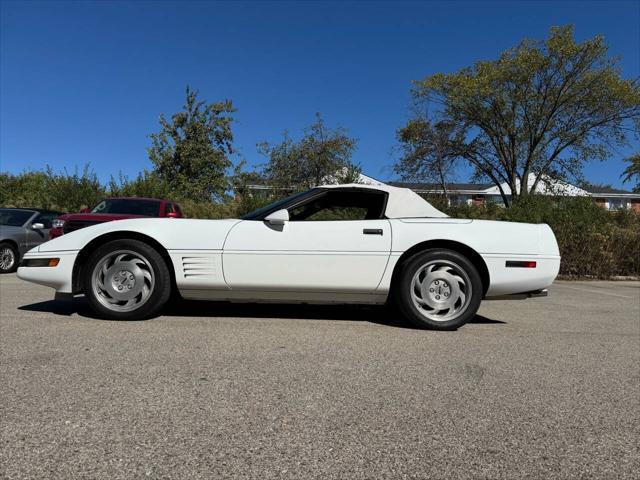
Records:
x=8, y=258
x=126, y=280
x=438, y=289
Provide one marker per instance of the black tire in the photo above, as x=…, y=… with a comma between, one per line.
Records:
x=9, y=257
x=152, y=299
x=455, y=276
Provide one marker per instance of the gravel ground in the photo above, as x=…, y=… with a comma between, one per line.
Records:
x=543, y=388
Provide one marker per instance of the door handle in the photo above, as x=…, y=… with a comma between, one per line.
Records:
x=372, y=231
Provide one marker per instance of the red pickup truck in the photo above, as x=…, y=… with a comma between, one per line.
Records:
x=115, y=208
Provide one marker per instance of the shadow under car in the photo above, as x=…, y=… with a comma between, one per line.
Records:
x=382, y=315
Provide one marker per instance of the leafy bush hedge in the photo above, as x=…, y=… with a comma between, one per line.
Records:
x=594, y=243
x=67, y=192
x=71, y=192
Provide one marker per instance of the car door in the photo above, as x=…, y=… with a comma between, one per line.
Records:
x=36, y=236
x=335, y=242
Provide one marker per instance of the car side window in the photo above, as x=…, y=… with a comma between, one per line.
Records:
x=341, y=205
x=45, y=219
x=100, y=207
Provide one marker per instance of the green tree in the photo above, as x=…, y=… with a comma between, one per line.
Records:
x=323, y=155
x=146, y=184
x=73, y=192
x=242, y=179
x=64, y=191
x=27, y=189
x=430, y=151
x=543, y=108
x=191, y=151
x=632, y=172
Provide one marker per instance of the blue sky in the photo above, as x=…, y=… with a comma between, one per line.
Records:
x=84, y=82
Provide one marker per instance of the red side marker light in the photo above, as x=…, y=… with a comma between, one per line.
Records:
x=520, y=264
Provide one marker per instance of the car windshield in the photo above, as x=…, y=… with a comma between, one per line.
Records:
x=148, y=208
x=14, y=218
x=277, y=205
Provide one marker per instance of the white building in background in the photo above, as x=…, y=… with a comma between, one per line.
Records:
x=365, y=180
x=480, y=194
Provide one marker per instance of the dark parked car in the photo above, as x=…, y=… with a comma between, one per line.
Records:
x=117, y=208
x=21, y=229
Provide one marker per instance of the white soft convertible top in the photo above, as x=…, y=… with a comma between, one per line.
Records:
x=402, y=202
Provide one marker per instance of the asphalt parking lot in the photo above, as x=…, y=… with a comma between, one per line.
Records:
x=542, y=388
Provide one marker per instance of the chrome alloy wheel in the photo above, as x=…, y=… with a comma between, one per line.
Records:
x=7, y=259
x=441, y=290
x=123, y=280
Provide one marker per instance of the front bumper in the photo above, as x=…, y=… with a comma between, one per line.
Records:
x=59, y=277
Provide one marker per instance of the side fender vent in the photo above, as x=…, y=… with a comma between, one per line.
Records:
x=198, y=267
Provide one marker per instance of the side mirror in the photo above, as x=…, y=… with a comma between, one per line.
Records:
x=279, y=217
x=37, y=226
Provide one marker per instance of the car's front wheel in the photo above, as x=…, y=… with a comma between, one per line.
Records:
x=126, y=280
x=438, y=289
x=8, y=258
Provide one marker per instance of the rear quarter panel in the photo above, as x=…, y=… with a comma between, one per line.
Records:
x=481, y=235
x=496, y=242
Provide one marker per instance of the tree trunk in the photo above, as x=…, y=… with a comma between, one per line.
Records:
x=443, y=184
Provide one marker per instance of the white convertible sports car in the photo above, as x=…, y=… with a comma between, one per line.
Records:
x=341, y=244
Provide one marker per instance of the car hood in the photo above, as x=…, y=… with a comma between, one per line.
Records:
x=98, y=217
x=171, y=233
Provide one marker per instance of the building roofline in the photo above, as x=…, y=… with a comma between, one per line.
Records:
x=615, y=195
x=451, y=190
